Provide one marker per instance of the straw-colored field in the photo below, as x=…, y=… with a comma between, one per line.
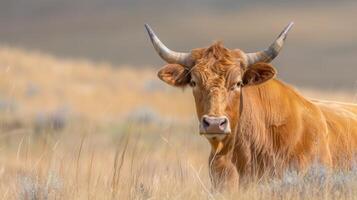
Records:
x=81, y=130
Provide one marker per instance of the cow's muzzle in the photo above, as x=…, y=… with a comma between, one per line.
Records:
x=215, y=127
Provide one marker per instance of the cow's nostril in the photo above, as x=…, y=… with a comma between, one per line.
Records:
x=223, y=122
x=205, y=123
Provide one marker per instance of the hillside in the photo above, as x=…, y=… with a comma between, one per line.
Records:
x=33, y=83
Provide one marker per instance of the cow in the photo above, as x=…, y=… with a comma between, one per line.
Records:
x=257, y=125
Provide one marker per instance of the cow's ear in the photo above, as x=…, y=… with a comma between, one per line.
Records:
x=258, y=73
x=175, y=75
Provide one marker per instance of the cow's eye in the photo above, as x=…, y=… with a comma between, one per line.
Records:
x=192, y=83
x=236, y=85
x=239, y=84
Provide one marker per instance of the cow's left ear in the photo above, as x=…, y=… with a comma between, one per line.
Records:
x=258, y=73
x=174, y=75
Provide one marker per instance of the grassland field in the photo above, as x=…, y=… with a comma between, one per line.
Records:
x=74, y=129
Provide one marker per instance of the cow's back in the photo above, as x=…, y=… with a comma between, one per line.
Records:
x=341, y=119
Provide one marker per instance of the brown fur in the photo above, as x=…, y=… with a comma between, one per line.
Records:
x=273, y=126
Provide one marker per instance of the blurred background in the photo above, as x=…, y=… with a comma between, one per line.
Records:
x=319, y=52
x=78, y=76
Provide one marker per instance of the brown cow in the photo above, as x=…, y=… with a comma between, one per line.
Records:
x=256, y=124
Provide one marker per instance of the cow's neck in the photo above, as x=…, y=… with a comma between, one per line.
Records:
x=256, y=141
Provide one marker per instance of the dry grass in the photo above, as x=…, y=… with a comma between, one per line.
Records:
x=78, y=130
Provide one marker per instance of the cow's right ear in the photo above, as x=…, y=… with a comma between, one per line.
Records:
x=258, y=73
x=175, y=75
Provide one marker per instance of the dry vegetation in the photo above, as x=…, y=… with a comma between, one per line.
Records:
x=78, y=130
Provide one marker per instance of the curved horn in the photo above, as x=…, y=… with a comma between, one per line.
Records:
x=270, y=53
x=167, y=54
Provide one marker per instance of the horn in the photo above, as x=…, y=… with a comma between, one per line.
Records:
x=167, y=54
x=270, y=53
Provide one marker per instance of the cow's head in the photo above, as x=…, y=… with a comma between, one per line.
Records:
x=216, y=75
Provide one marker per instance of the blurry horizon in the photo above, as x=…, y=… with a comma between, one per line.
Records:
x=319, y=51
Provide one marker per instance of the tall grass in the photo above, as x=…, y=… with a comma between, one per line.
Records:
x=166, y=164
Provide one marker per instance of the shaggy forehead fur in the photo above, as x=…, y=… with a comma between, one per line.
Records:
x=215, y=62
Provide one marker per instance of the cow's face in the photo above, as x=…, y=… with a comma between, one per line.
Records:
x=217, y=75
x=216, y=79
